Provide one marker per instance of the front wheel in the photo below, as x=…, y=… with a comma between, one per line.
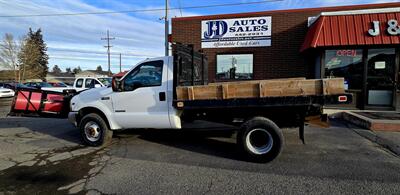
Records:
x=260, y=139
x=94, y=130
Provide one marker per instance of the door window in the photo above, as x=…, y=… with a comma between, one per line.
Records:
x=148, y=74
x=380, y=76
x=89, y=83
x=79, y=83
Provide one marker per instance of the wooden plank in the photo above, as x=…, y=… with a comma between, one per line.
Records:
x=264, y=88
x=291, y=88
x=243, y=90
x=333, y=86
x=190, y=93
x=225, y=91
x=207, y=92
x=182, y=93
x=256, y=81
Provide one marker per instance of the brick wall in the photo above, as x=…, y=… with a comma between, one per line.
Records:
x=282, y=59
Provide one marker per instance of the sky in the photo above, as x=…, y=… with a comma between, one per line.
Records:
x=76, y=40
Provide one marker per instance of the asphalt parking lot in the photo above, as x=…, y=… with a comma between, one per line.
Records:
x=39, y=155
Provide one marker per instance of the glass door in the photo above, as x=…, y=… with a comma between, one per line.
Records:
x=380, y=77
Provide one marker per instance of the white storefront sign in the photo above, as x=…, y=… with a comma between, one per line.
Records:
x=237, y=32
x=392, y=29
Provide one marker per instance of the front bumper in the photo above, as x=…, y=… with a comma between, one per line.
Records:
x=8, y=94
x=72, y=118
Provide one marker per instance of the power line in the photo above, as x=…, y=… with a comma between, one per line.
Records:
x=141, y=10
x=180, y=6
x=108, y=46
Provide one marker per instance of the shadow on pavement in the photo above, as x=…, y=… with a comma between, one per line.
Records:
x=218, y=142
x=57, y=128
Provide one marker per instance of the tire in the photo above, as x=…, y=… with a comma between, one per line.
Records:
x=260, y=140
x=94, y=131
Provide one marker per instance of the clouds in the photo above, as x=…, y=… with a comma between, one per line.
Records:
x=75, y=40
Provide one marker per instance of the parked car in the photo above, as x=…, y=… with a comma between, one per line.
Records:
x=58, y=84
x=4, y=92
x=15, y=86
x=38, y=85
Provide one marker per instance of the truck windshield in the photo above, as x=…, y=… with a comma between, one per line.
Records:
x=105, y=81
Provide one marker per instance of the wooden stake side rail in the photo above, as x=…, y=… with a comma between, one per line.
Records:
x=262, y=88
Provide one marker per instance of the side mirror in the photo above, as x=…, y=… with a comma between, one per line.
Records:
x=97, y=85
x=115, y=84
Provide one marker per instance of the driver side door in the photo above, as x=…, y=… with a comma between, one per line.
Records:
x=141, y=103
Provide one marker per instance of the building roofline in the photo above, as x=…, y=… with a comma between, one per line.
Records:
x=362, y=11
x=322, y=9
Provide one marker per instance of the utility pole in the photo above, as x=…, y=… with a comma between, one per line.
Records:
x=120, y=63
x=166, y=28
x=108, y=46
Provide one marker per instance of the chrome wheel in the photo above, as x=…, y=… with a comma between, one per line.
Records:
x=259, y=141
x=92, y=131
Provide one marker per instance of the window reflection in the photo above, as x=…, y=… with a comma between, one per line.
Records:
x=347, y=64
x=146, y=75
x=235, y=66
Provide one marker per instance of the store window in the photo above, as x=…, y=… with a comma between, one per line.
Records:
x=234, y=66
x=347, y=64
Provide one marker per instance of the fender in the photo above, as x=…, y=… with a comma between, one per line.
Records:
x=106, y=112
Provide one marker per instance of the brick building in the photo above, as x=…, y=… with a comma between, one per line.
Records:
x=354, y=42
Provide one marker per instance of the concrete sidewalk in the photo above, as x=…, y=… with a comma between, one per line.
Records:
x=388, y=140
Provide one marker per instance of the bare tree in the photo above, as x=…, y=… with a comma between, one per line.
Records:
x=9, y=51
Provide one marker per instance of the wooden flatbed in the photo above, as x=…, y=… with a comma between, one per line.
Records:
x=261, y=89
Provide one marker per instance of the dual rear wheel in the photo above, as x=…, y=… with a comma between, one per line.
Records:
x=260, y=139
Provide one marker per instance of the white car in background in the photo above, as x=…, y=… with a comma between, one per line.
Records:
x=4, y=92
x=83, y=83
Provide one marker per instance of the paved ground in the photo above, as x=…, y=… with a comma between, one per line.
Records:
x=5, y=105
x=45, y=156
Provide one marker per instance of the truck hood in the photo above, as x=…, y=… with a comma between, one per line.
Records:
x=95, y=93
x=89, y=97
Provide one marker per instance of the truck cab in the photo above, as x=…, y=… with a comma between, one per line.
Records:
x=142, y=98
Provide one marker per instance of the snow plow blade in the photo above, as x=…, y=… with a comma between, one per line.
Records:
x=35, y=102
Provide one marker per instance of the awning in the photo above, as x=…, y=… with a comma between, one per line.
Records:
x=351, y=29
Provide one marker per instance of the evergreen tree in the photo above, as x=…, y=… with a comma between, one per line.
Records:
x=33, y=57
x=27, y=59
x=56, y=69
x=77, y=70
x=68, y=70
x=99, y=69
x=43, y=58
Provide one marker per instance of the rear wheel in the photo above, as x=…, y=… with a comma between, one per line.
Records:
x=94, y=130
x=260, y=139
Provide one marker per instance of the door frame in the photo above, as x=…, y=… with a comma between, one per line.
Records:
x=365, y=104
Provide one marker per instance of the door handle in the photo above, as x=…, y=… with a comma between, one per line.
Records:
x=162, y=96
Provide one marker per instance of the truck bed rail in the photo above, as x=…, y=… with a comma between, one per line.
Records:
x=286, y=101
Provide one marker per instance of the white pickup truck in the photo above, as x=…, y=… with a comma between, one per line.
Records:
x=83, y=83
x=152, y=95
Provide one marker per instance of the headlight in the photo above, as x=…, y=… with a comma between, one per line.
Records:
x=72, y=104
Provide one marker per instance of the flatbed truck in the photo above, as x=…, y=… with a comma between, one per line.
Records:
x=147, y=98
